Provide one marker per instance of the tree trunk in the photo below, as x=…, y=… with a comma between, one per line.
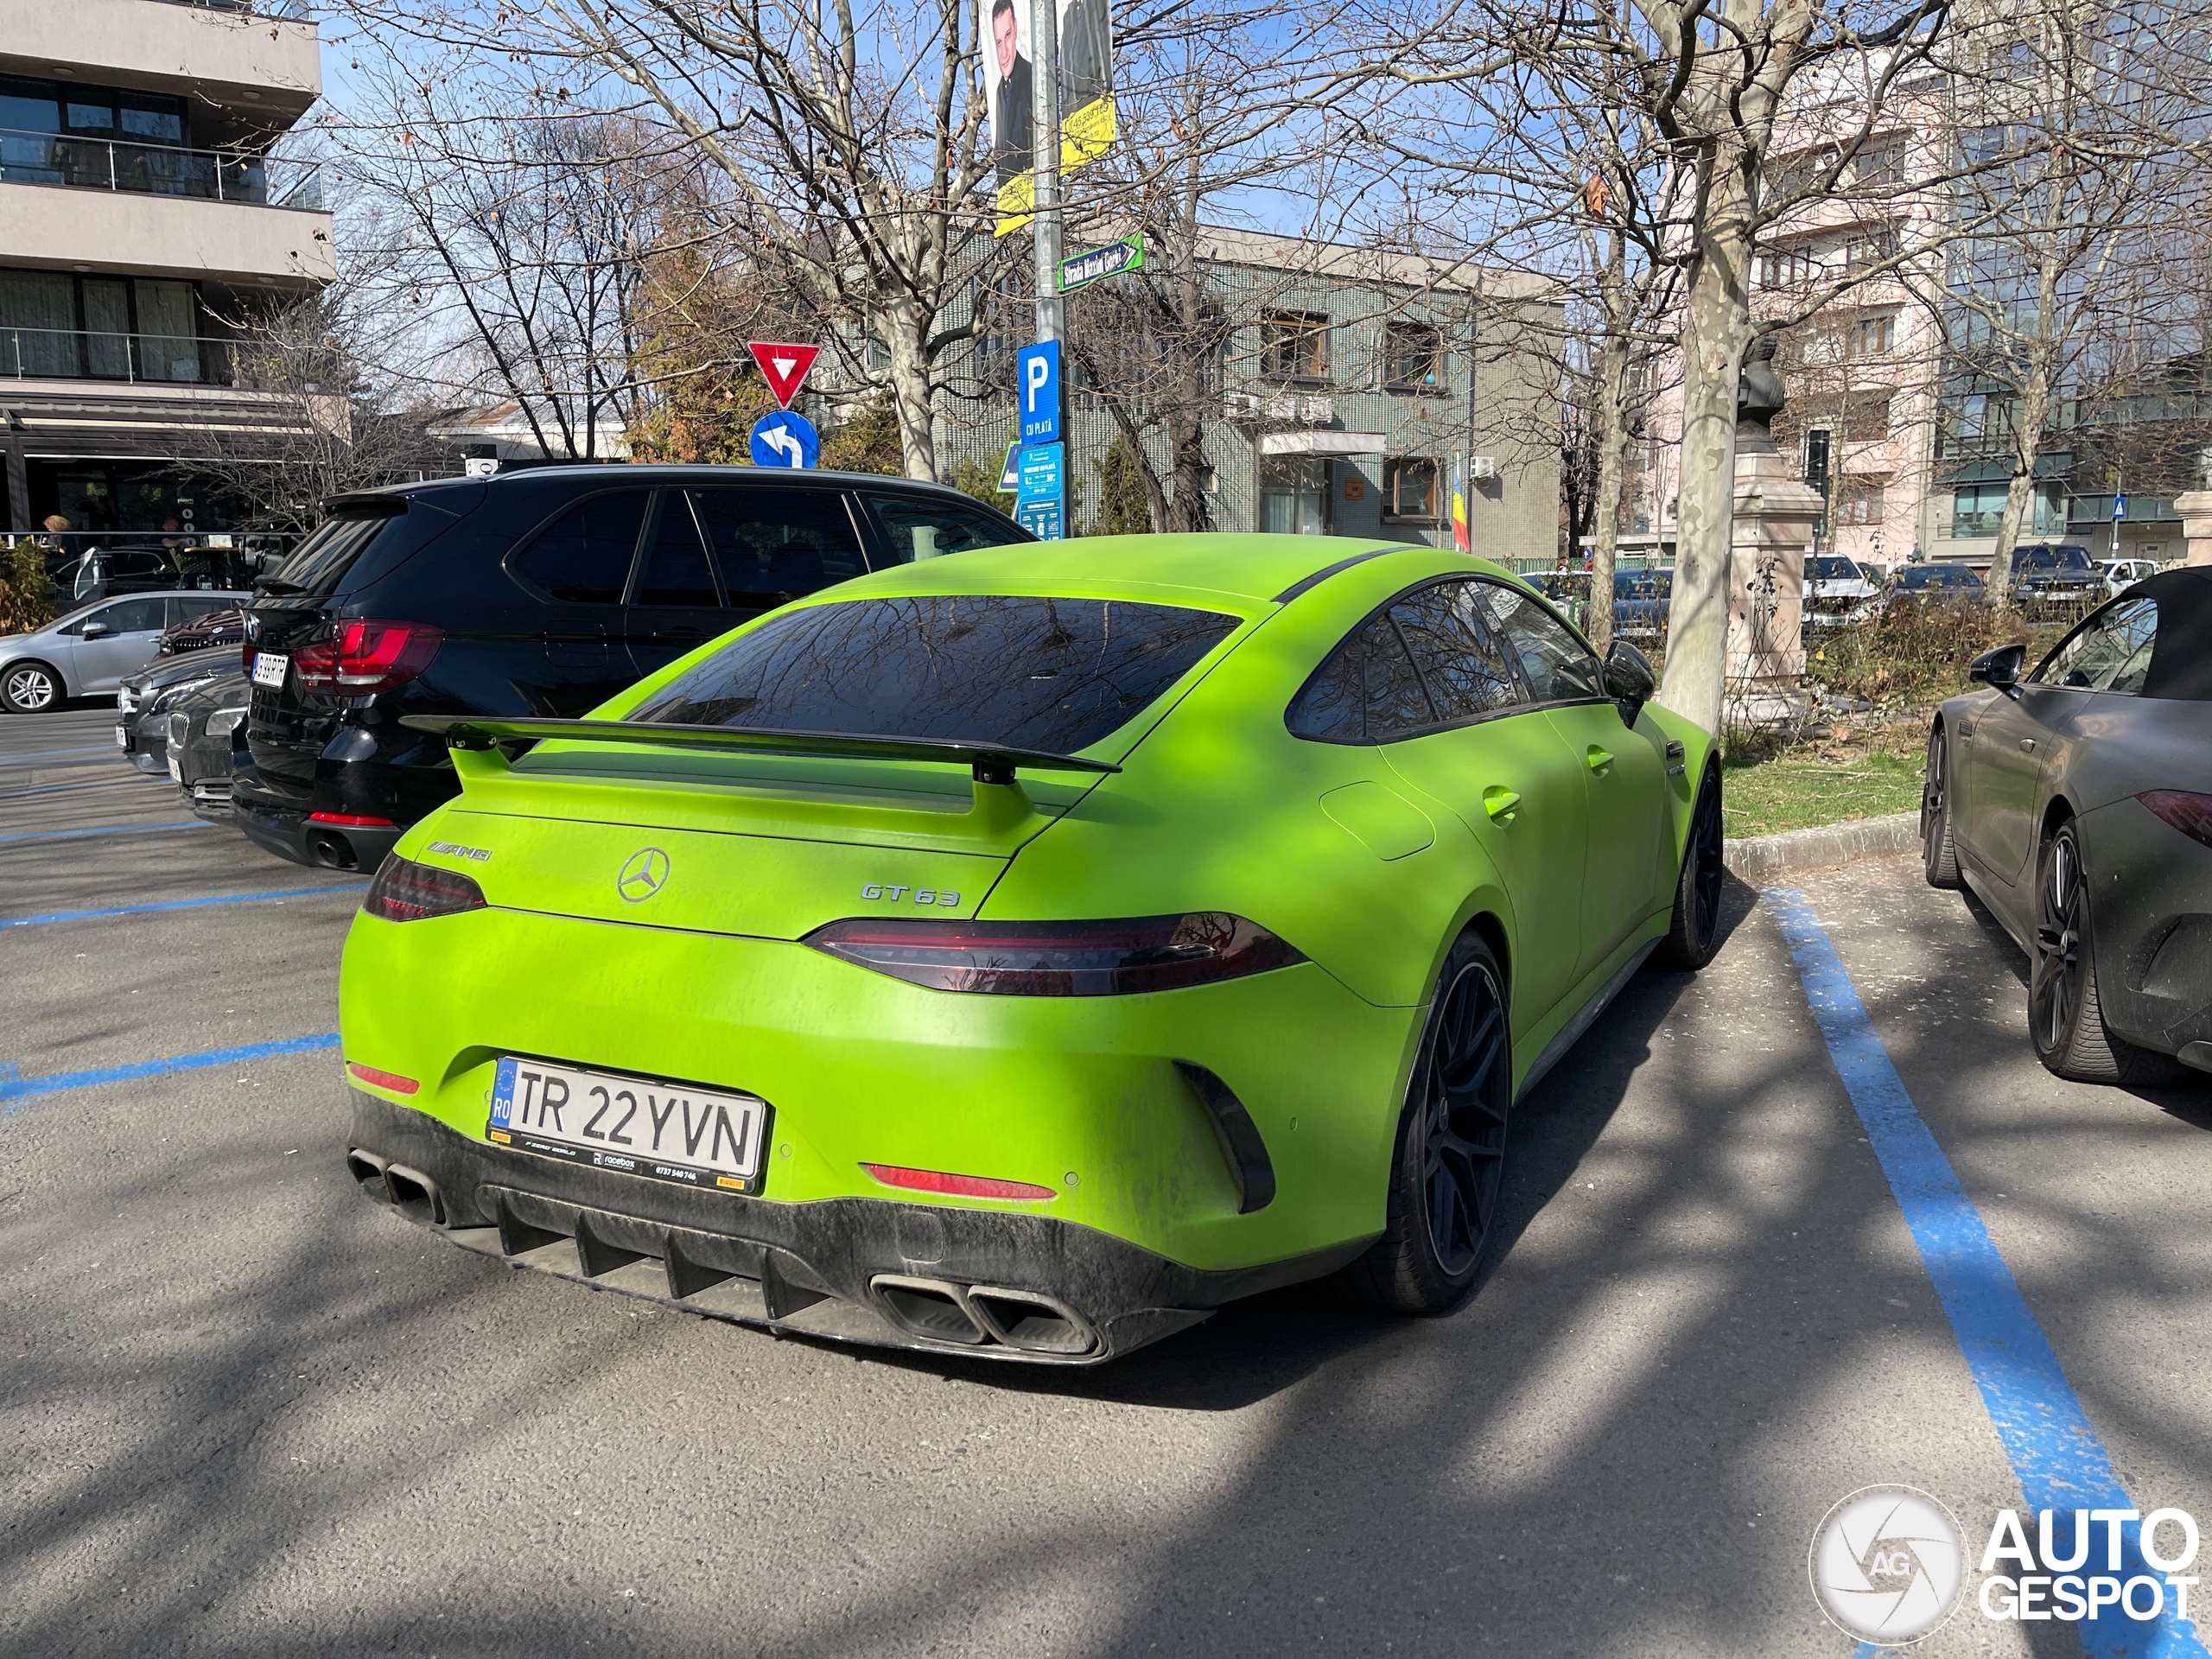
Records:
x=1716, y=328
x=1608, y=432
x=2029, y=413
x=907, y=332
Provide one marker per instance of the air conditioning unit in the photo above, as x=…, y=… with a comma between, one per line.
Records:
x=1482, y=465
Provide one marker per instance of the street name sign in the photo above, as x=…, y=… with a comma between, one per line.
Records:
x=1111, y=260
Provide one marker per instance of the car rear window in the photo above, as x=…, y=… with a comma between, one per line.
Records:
x=1025, y=670
x=320, y=564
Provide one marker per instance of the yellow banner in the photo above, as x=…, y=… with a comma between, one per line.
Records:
x=1084, y=136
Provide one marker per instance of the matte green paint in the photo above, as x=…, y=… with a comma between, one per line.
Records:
x=1370, y=861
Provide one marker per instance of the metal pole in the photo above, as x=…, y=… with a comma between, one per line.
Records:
x=1044, y=73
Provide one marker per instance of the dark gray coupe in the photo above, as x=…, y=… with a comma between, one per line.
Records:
x=2076, y=802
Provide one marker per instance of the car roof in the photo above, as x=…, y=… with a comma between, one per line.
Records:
x=1245, y=569
x=636, y=474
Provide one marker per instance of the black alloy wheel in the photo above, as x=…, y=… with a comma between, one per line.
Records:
x=1694, y=930
x=1449, y=1171
x=1939, y=857
x=29, y=687
x=2065, y=1014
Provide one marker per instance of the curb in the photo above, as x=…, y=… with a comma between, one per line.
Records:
x=1756, y=857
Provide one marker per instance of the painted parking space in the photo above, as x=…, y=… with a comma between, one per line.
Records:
x=240, y=1392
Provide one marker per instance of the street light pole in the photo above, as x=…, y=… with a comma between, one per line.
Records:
x=1044, y=69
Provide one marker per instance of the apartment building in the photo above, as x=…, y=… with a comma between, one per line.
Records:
x=144, y=223
x=1349, y=384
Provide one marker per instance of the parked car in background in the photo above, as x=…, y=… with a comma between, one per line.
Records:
x=143, y=701
x=1838, y=589
x=2055, y=578
x=88, y=652
x=542, y=592
x=1944, y=584
x=205, y=746
x=2076, y=802
x=109, y=572
x=1640, y=599
x=2120, y=575
x=224, y=629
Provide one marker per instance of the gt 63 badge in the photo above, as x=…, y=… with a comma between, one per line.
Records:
x=946, y=898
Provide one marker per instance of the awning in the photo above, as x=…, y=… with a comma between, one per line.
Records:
x=1322, y=443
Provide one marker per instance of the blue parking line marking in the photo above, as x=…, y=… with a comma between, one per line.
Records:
x=2047, y=1436
x=108, y=830
x=13, y=1089
x=7, y=922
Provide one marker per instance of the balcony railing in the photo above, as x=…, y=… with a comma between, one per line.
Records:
x=294, y=9
x=90, y=162
x=83, y=354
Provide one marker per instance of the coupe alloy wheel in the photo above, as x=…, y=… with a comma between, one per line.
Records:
x=1706, y=847
x=2055, y=987
x=1464, y=1098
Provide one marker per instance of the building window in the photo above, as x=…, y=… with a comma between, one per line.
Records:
x=1868, y=249
x=1410, y=488
x=1858, y=502
x=1880, y=163
x=1293, y=495
x=1786, y=267
x=1976, y=509
x=1866, y=419
x=1413, y=357
x=1875, y=336
x=1294, y=345
x=97, y=327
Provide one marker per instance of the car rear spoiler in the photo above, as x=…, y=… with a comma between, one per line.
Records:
x=990, y=763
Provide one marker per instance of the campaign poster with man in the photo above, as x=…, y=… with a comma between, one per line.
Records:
x=1086, y=90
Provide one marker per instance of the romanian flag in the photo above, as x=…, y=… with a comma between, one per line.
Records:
x=1460, y=538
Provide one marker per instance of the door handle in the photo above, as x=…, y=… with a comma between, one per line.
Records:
x=1599, y=759
x=1500, y=802
x=2027, y=743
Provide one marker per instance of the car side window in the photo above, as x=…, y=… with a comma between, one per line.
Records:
x=675, y=570
x=776, y=544
x=1464, y=671
x=1558, y=667
x=134, y=616
x=1366, y=691
x=584, y=556
x=920, y=528
x=2111, y=652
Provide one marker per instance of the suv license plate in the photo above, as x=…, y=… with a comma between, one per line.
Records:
x=668, y=1132
x=121, y=737
x=269, y=668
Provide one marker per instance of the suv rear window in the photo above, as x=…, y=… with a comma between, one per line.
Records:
x=320, y=564
x=2064, y=556
x=1031, y=672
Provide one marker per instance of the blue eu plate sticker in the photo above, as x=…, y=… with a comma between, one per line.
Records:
x=503, y=1094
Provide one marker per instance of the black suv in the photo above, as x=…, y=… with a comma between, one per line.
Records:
x=542, y=592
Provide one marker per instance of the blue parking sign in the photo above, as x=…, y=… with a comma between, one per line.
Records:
x=1037, y=391
x=1037, y=472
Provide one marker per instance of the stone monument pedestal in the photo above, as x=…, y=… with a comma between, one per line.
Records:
x=1773, y=528
x=2195, y=510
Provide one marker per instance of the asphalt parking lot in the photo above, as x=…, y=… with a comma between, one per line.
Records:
x=246, y=1412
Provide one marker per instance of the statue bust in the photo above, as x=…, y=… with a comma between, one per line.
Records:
x=1760, y=397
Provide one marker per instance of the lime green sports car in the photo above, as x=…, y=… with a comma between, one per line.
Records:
x=1024, y=953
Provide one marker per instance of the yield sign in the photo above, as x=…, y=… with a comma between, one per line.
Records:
x=784, y=365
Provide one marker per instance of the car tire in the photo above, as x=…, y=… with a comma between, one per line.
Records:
x=30, y=687
x=1939, y=853
x=1694, y=929
x=2065, y=1015
x=1448, y=1168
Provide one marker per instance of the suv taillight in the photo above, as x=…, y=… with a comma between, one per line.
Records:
x=404, y=891
x=1149, y=953
x=364, y=657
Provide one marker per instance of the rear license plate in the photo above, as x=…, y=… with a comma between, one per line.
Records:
x=121, y=737
x=668, y=1132
x=269, y=668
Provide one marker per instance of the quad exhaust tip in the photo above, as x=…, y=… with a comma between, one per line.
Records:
x=978, y=1316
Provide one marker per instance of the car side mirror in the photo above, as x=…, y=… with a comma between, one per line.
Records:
x=1628, y=679
x=94, y=630
x=2000, y=668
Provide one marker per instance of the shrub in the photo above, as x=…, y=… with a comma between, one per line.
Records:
x=27, y=600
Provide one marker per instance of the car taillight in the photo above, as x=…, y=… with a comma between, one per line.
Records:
x=961, y=1187
x=404, y=891
x=2191, y=814
x=1115, y=958
x=364, y=657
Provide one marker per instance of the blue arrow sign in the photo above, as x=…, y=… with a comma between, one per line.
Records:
x=1037, y=391
x=783, y=439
